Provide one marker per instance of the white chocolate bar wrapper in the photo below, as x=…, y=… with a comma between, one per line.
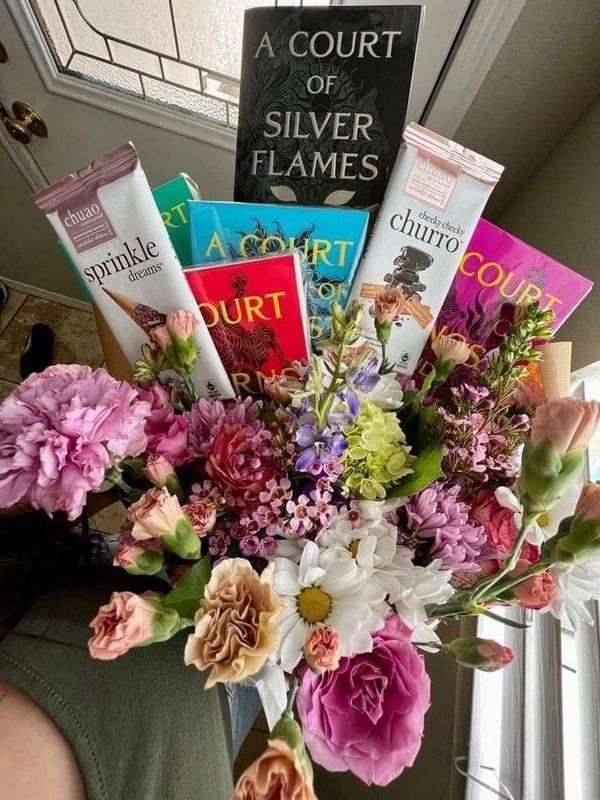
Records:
x=106, y=217
x=433, y=201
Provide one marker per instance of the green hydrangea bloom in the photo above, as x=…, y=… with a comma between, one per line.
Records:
x=377, y=455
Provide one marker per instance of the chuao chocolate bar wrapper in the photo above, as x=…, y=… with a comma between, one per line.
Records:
x=434, y=199
x=107, y=219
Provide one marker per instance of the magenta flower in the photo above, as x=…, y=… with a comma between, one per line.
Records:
x=438, y=519
x=367, y=715
x=167, y=431
x=59, y=432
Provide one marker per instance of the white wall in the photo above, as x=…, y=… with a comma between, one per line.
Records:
x=558, y=211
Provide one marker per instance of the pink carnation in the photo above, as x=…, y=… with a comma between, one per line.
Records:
x=123, y=623
x=203, y=516
x=367, y=716
x=59, y=432
x=167, y=431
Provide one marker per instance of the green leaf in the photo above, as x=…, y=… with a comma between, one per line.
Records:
x=185, y=597
x=427, y=468
x=427, y=418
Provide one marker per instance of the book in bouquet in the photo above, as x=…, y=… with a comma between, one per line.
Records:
x=329, y=240
x=498, y=272
x=323, y=99
x=255, y=312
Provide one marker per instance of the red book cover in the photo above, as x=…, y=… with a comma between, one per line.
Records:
x=255, y=310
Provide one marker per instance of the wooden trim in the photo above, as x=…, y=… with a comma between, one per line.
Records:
x=46, y=294
x=485, y=31
x=187, y=124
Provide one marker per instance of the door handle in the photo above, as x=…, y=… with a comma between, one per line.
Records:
x=25, y=123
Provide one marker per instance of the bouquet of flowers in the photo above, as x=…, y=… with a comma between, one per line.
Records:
x=314, y=541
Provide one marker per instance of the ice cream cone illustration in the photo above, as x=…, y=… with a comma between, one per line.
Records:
x=144, y=316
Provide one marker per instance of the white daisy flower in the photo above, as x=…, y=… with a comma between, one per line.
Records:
x=326, y=587
x=418, y=587
x=546, y=525
x=575, y=586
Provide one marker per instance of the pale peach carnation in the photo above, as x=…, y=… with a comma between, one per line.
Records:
x=387, y=306
x=322, y=649
x=154, y=515
x=124, y=622
x=158, y=470
x=203, y=516
x=536, y=592
x=181, y=323
x=448, y=348
x=276, y=389
x=275, y=775
x=588, y=505
x=566, y=422
x=161, y=337
x=235, y=627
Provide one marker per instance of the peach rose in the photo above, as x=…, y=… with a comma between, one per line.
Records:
x=448, y=348
x=275, y=775
x=387, y=306
x=123, y=623
x=322, y=649
x=567, y=423
x=236, y=628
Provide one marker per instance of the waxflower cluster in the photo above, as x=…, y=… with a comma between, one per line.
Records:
x=311, y=540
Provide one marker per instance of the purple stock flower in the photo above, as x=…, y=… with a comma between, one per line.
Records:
x=439, y=519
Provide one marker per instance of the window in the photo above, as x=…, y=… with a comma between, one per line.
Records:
x=535, y=727
x=183, y=53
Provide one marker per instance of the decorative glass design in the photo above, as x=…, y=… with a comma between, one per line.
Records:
x=181, y=53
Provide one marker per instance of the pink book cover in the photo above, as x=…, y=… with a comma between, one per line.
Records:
x=497, y=272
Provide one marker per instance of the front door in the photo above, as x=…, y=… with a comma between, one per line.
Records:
x=162, y=73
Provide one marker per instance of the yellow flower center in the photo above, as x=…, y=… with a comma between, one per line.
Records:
x=353, y=547
x=544, y=519
x=314, y=604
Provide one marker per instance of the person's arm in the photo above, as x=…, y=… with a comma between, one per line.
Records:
x=36, y=762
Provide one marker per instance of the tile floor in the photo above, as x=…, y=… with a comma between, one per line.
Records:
x=77, y=342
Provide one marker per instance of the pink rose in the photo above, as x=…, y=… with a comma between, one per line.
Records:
x=367, y=716
x=567, y=423
x=536, y=592
x=181, y=323
x=158, y=515
x=500, y=526
x=202, y=515
x=322, y=649
x=588, y=505
x=123, y=623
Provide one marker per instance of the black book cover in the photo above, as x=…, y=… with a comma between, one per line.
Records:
x=323, y=101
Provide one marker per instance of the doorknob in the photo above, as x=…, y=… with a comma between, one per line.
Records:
x=25, y=123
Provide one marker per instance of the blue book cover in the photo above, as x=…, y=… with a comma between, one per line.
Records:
x=330, y=240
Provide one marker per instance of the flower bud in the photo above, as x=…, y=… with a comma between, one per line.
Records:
x=448, y=348
x=476, y=653
x=560, y=431
x=137, y=560
x=322, y=649
x=578, y=537
x=158, y=515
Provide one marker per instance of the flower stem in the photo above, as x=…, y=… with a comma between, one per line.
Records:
x=323, y=407
x=482, y=590
x=292, y=692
